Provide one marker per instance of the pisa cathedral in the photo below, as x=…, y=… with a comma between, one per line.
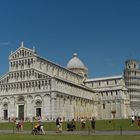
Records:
x=35, y=86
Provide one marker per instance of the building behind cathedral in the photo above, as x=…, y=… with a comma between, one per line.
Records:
x=37, y=87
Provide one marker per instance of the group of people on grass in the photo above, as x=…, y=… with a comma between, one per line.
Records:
x=39, y=129
x=71, y=125
x=92, y=123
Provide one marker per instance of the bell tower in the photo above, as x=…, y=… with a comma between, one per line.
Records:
x=132, y=82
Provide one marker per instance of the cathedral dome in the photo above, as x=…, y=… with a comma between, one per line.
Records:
x=77, y=66
x=76, y=63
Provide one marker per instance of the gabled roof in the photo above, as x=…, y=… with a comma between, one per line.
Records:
x=20, y=52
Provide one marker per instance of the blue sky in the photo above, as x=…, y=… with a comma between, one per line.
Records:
x=104, y=33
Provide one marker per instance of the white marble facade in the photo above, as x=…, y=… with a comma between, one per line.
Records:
x=35, y=86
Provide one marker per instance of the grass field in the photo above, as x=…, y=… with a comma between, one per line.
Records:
x=100, y=125
x=66, y=137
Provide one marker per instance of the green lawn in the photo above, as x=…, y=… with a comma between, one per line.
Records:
x=100, y=125
x=66, y=137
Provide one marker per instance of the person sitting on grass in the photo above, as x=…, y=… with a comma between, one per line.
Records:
x=71, y=125
x=36, y=129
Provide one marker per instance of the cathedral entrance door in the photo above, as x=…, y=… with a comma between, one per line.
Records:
x=5, y=114
x=21, y=112
x=38, y=112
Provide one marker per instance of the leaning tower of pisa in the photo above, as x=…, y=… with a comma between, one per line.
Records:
x=132, y=81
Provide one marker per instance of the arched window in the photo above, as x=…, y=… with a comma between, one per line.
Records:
x=5, y=111
x=25, y=61
x=28, y=61
x=18, y=54
x=103, y=105
x=16, y=63
x=31, y=60
x=20, y=74
x=32, y=84
x=22, y=64
x=22, y=52
x=32, y=72
x=38, y=108
x=39, y=86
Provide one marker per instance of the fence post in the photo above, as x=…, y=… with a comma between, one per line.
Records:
x=88, y=130
x=13, y=127
x=88, y=123
x=121, y=130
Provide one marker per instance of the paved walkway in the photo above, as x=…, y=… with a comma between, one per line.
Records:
x=115, y=132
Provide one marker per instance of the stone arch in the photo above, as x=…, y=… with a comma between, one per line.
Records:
x=5, y=104
x=20, y=98
x=30, y=97
x=38, y=97
x=38, y=103
x=47, y=95
x=5, y=99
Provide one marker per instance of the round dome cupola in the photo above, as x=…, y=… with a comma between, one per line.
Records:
x=76, y=65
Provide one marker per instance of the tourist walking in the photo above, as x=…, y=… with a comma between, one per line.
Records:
x=41, y=127
x=57, y=125
x=93, y=124
x=60, y=125
x=132, y=120
x=83, y=123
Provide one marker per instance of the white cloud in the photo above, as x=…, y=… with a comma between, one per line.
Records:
x=5, y=43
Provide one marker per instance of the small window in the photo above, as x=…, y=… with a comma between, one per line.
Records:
x=106, y=93
x=103, y=106
x=107, y=82
x=134, y=65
